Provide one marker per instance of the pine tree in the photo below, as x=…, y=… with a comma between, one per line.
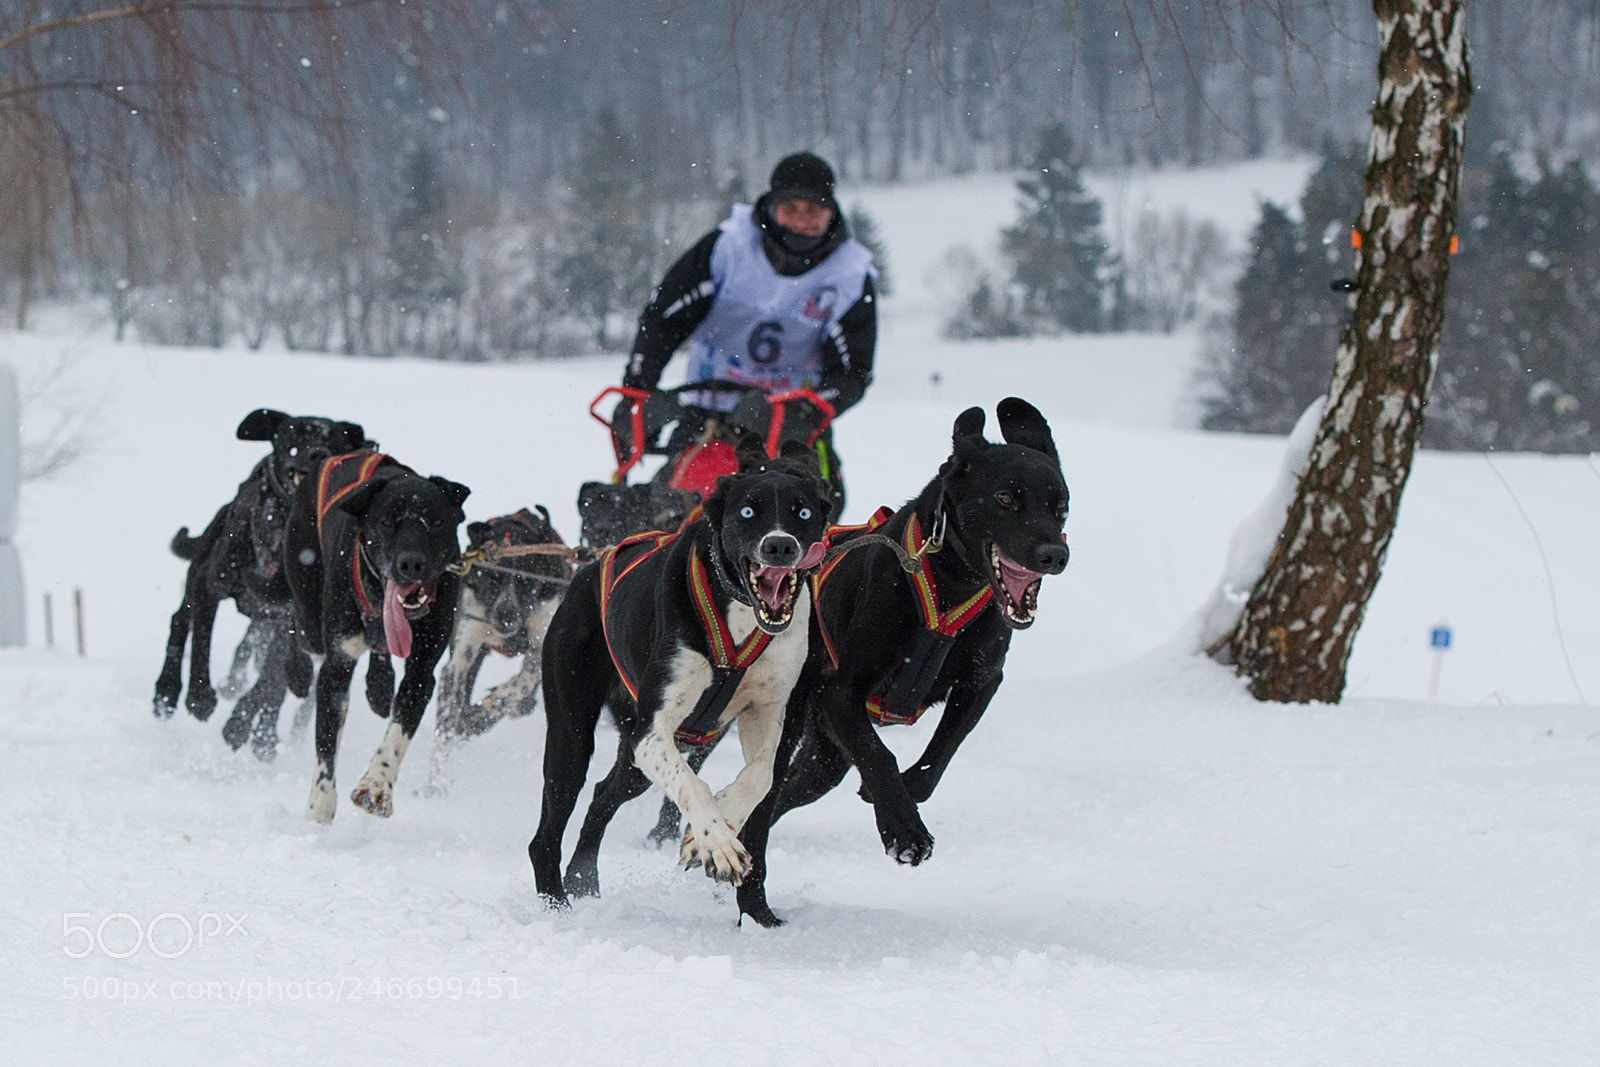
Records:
x=1057, y=254
x=1275, y=361
x=1515, y=371
x=1278, y=351
x=422, y=273
x=608, y=235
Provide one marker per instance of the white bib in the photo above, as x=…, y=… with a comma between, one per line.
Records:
x=766, y=329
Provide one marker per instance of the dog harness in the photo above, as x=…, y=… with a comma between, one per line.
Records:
x=728, y=660
x=338, y=477
x=901, y=697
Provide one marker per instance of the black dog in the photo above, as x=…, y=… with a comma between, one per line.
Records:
x=505, y=607
x=238, y=556
x=680, y=634
x=888, y=643
x=366, y=553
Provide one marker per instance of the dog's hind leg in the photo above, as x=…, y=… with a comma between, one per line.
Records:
x=333, y=702
x=249, y=648
x=624, y=783
x=815, y=770
x=752, y=892
x=667, y=827
x=380, y=683
x=577, y=674
x=264, y=702
x=170, y=683
x=202, y=699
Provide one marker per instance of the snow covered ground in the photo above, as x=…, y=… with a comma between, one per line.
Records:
x=1136, y=863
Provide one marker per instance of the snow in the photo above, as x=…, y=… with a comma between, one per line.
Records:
x=1136, y=863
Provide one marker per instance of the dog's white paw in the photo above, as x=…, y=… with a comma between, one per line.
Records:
x=323, y=801
x=716, y=848
x=374, y=797
x=497, y=706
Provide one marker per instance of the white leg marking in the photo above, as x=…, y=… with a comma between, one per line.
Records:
x=707, y=839
x=456, y=676
x=759, y=709
x=323, y=800
x=512, y=698
x=375, y=792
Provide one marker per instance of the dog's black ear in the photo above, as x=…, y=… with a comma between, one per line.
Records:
x=966, y=441
x=359, y=499
x=457, y=492
x=350, y=437
x=750, y=452
x=1022, y=424
x=712, y=505
x=968, y=424
x=478, y=532
x=260, y=425
x=802, y=458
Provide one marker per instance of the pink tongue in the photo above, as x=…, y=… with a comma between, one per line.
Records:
x=769, y=586
x=1016, y=579
x=396, y=627
x=813, y=556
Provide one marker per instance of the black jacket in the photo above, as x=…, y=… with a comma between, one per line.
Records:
x=683, y=299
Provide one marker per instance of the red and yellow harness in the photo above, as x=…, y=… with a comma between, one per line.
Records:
x=729, y=660
x=338, y=477
x=902, y=696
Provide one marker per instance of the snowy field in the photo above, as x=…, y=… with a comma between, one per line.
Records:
x=1136, y=863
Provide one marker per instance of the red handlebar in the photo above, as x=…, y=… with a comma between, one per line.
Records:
x=636, y=421
x=778, y=401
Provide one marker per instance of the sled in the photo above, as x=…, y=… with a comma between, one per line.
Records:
x=648, y=426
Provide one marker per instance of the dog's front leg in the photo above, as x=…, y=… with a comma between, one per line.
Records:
x=759, y=730
x=968, y=701
x=375, y=792
x=670, y=690
x=333, y=701
x=456, y=679
x=512, y=698
x=899, y=826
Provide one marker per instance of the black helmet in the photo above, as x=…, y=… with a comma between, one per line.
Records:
x=803, y=176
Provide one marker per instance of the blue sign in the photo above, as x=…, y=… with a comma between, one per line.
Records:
x=1440, y=638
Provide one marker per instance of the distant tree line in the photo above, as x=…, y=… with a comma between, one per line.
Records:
x=1517, y=368
x=1063, y=276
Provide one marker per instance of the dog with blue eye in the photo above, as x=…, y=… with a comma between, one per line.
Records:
x=682, y=634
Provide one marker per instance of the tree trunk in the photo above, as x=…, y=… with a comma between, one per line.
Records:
x=1294, y=636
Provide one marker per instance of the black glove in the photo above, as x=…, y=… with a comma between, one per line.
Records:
x=801, y=419
x=622, y=427
x=752, y=414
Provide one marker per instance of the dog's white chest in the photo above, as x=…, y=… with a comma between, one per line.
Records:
x=775, y=671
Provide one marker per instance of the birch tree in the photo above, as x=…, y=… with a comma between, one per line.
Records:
x=1294, y=637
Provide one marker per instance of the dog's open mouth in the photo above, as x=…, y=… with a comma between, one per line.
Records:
x=403, y=602
x=774, y=591
x=1016, y=586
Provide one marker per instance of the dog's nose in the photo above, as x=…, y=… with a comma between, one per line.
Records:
x=1051, y=558
x=505, y=618
x=410, y=566
x=779, y=550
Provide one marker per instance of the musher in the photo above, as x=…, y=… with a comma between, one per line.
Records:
x=778, y=296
